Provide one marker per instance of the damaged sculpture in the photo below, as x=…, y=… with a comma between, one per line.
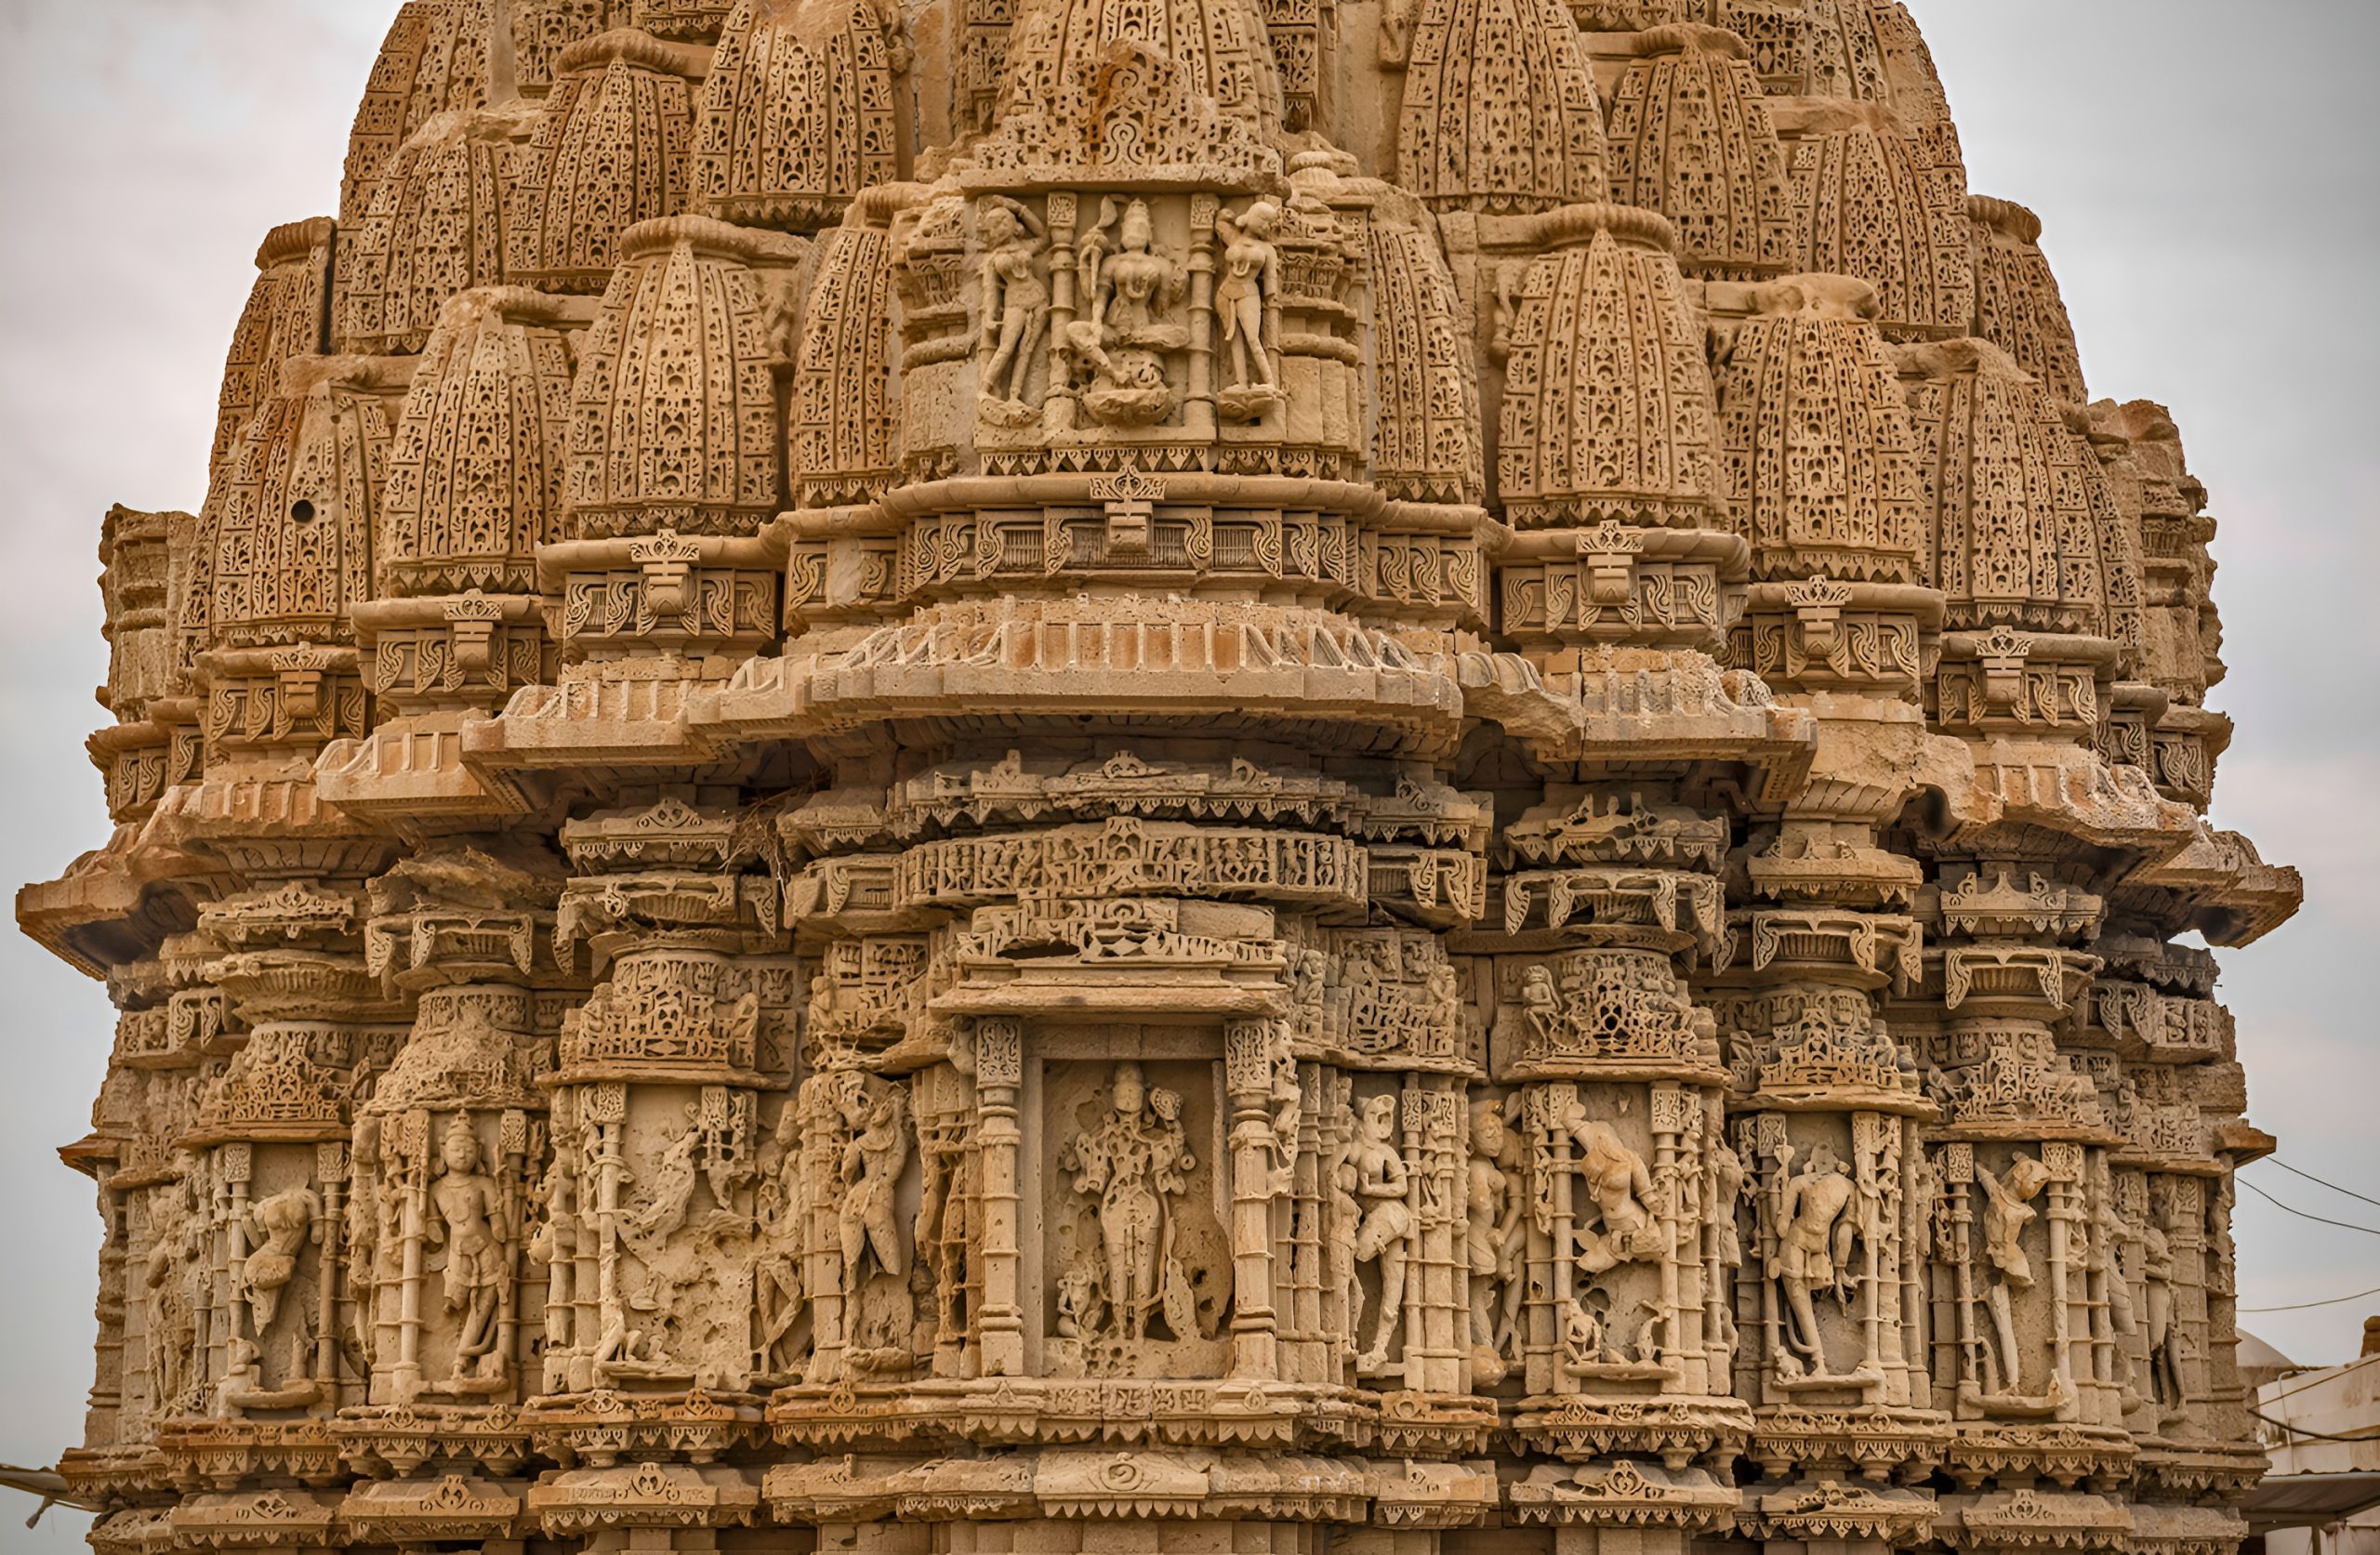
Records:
x=1164, y=776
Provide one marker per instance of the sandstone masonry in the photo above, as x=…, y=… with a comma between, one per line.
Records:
x=1145, y=777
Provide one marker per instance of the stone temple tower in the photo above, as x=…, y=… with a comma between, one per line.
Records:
x=1150, y=777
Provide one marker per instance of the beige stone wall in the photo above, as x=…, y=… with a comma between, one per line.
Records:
x=1164, y=776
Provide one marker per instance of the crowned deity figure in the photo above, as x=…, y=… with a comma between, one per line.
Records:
x=470, y=1223
x=1133, y=1163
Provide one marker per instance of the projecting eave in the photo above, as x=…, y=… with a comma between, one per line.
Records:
x=2220, y=887
x=1675, y=717
x=116, y=903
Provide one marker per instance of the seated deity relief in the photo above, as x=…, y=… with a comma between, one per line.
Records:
x=1119, y=345
x=1104, y=314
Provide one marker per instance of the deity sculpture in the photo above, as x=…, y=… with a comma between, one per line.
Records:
x=1381, y=1183
x=471, y=1225
x=1620, y=1188
x=1249, y=285
x=281, y=1225
x=371, y=1233
x=1015, y=311
x=1134, y=1163
x=1586, y=1333
x=1122, y=339
x=2007, y=1211
x=869, y=1177
x=1541, y=1003
x=2157, y=1284
x=171, y=1245
x=1815, y=1224
x=1493, y=1239
x=555, y=1245
x=781, y=1212
x=1727, y=1192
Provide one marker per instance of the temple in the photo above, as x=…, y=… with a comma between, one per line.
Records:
x=1164, y=777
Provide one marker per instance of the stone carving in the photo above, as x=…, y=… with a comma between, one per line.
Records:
x=1607, y=400
x=2017, y=305
x=1500, y=111
x=1246, y=300
x=1132, y=1164
x=2007, y=1211
x=610, y=149
x=1867, y=203
x=1814, y=1237
x=891, y=828
x=798, y=113
x=434, y=228
x=1690, y=139
x=1124, y=339
x=436, y=59
x=1493, y=1201
x=1379, y=1185
x=1805, y=382
x=1015, y=311
x=674, y=422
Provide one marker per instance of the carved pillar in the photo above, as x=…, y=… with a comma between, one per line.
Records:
x=2024, y=1343
x=1248, y=1069
x=1000, y=1072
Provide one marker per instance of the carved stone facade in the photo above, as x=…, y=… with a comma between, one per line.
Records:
x=1083, y=776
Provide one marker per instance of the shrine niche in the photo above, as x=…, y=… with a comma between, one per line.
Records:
x=1036, y=779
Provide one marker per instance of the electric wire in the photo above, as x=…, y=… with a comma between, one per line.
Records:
x=2301, y=1306
x=2324, y=1181
x=2342, y=1225
x=2317, y=1435
x=2327, y=1375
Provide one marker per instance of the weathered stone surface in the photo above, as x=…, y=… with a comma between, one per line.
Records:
x=1164, y=776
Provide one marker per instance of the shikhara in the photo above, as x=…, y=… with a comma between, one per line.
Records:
x=1164, y=775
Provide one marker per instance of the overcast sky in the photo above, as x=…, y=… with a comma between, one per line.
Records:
x=2207, y=183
